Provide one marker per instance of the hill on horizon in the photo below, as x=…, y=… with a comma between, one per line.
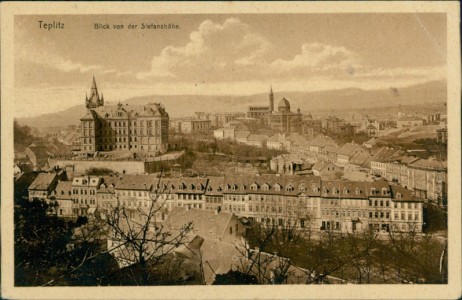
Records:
x=342, y=99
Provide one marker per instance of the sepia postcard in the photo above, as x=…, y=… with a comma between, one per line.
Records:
x=230, y=150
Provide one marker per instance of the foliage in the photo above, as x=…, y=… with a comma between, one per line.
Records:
x=235, y=278
x=41, y=241
x=99, y=172
x=22, y=135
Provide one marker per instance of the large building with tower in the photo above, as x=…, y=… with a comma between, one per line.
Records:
x=139, y=128
x=281, y=118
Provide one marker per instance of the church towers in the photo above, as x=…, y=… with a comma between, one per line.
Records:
x=271, y=100
x=94, y=100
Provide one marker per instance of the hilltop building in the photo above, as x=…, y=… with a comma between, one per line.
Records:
x=123, y=127
x=282, y=119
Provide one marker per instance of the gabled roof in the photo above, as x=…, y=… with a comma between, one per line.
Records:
x=276, y=138
x=63, y=190
x=206, y=223
x=430, y=164
x=136, y=182
x=257, y=138
x=322, y=141
x=399, y=193
x=215, y=186
x=40, y=151
x=241, y=134
x=347, y=149
x=321, y=165
x=43, y=181
x=384, y=154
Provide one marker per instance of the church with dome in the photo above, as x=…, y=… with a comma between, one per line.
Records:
x=281, y=119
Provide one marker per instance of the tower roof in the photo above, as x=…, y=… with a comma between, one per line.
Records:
x=284, y=103
x=93, y=84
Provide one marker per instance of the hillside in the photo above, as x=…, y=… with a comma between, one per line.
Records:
x=344, y=99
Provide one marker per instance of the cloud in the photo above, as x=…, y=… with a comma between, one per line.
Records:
x=49, y=57
x=232, y=52
x=318, y=58
x=214, y=51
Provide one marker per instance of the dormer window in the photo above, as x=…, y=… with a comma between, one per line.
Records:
x=219, y=189
x=373, y=191
x=325, y=191
x=334, y=191
x=290, y=188
x=345, y=191
x=192, y=187
x=234, y=187
x=398, y=195
x=384, y=191
x=265, y=187
x=254, y=187
x=209, y=189
x=242, y=187
x=277, y=187
x=357, y=191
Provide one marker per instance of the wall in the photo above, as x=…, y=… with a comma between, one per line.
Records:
x=80, y=166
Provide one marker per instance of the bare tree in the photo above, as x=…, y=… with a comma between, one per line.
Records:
x=136, y=238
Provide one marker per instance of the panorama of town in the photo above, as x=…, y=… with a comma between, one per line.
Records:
x=268, y=194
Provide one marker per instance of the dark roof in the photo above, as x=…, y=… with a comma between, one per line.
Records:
x=347, y=149
x=43, y=181
x=430, y=164
x=63, y=190
x=406, y=195
x=136, y=182
x=384, y=154
x=276, y=185
x=215, y=186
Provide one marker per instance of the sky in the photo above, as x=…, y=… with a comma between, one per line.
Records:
x=239, y=54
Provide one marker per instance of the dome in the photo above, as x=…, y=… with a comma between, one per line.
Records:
x=284, y=104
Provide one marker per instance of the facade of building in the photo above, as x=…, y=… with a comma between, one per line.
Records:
x=194, y=126
x=84, y=190
x=304, y=202
x=43, y=186
x=406, y=122
x=442, y=135
x=123, y=127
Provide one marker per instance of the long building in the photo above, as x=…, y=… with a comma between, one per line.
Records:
x=307, y=202
x=140, y=128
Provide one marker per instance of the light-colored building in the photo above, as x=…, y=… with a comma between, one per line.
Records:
x=194, y=126
x=43, y=186
x=84, y=189
x=123, y=127
x=406, y=122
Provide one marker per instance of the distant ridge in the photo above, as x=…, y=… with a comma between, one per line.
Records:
x=343, y=99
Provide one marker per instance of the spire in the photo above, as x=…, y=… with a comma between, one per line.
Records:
x=271, y=99
x=93, y=84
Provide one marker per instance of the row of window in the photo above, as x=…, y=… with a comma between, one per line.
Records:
x=84, y=201
x=76, y=191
